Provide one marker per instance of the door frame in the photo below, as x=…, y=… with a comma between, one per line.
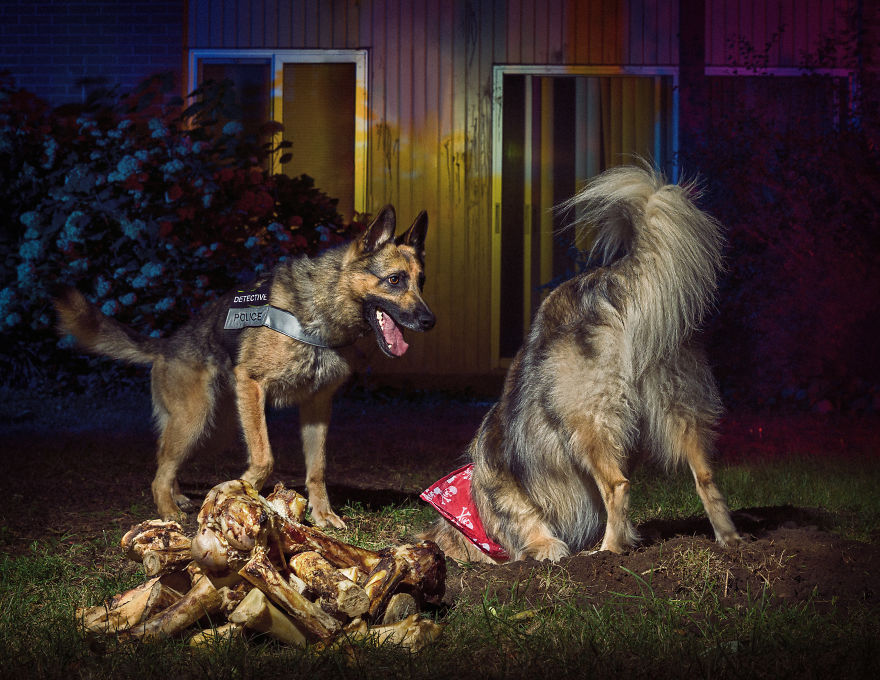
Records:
x=498, y=73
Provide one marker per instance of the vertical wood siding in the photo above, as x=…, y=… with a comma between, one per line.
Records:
x=430, y=98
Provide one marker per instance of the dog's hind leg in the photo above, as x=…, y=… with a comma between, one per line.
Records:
x=314, y=415
x=693, y=441
x=183, y=405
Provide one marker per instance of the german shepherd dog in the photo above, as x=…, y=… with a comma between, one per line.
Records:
x=372, y=284
x=611, y=368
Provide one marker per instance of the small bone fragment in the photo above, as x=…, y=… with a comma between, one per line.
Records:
x=210, y=636
x=306, y=614
x=128, y=609
x=341, y=593
x=257, y=613
x=399, y=607
x=155, y=534
x=289, y=504
x=352, y=574
x=201, y=600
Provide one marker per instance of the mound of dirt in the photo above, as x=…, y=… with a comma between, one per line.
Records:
x=785, y=551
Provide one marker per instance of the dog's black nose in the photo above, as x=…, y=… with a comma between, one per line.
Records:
x=426, y=319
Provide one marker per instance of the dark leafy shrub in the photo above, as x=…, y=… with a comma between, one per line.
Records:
x=151, y=208
x=798, y=308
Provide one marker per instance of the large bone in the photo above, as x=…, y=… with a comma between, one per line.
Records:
x=203, y=599
x=257, y=613
x=340, y=592
x=314, y=621
x=128, y=609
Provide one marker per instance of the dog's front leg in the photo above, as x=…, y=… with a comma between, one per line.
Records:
x=314, y=418
x=250, y=398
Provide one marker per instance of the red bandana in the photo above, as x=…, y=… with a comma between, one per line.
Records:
x=451, y=497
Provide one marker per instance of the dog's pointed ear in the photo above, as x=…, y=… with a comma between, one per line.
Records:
x=414, y=237
x=380, y=231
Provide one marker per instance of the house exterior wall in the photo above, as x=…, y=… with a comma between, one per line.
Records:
x=430, y=91
x=50, y=46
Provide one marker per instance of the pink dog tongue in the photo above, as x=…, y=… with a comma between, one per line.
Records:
x=393, y=337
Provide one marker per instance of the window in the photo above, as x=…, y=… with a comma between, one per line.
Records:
x=320, y=96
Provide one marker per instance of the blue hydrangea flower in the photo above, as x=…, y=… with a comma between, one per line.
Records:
x=13, y=319
x=172, y=167
x=250, y=242
x=132, y=228
x=206, y=200
x=198, y=146
x=103, y=287
x=142, y=155
x=50, y=147
x=164, y=304
x=158, y=127
x=29, y=219
x=25, y=273
x=233, y=127
x=274, y=226
x=125, y=168
x=110, y=307
x=128, y=299
x=124, y=124
x=202, y=251
x=79, y=265
x=152, y=269
x=72, y=230
x=31, y=250
x=139, y=281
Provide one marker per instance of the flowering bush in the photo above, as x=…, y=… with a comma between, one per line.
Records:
x=150, y=208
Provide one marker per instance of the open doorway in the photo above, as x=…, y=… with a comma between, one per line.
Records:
x=554, y=130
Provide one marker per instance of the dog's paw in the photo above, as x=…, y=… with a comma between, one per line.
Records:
x=327, y=518
x=730, y=539
x=547, y=549
x=184, y=504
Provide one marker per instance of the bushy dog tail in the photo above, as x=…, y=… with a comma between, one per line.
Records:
x=99, y=334
x=667, y=253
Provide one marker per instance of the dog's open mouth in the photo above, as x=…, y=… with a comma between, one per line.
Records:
x=388, y=334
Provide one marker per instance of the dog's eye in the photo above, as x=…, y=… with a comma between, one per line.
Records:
x=394, y=279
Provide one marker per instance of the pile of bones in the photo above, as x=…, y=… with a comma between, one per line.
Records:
x=254, y=566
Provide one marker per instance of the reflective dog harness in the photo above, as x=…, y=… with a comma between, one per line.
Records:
x=451, y=497
x=247, y=311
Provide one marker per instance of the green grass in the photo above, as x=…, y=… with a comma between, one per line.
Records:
x=691, y=635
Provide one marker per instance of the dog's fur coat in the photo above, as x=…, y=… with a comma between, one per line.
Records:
x=610, y=369
x=373, y=283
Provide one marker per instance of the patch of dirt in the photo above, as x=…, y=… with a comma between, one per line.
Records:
x=77, y=469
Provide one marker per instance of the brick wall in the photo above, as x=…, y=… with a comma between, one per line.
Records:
x=52, y=48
